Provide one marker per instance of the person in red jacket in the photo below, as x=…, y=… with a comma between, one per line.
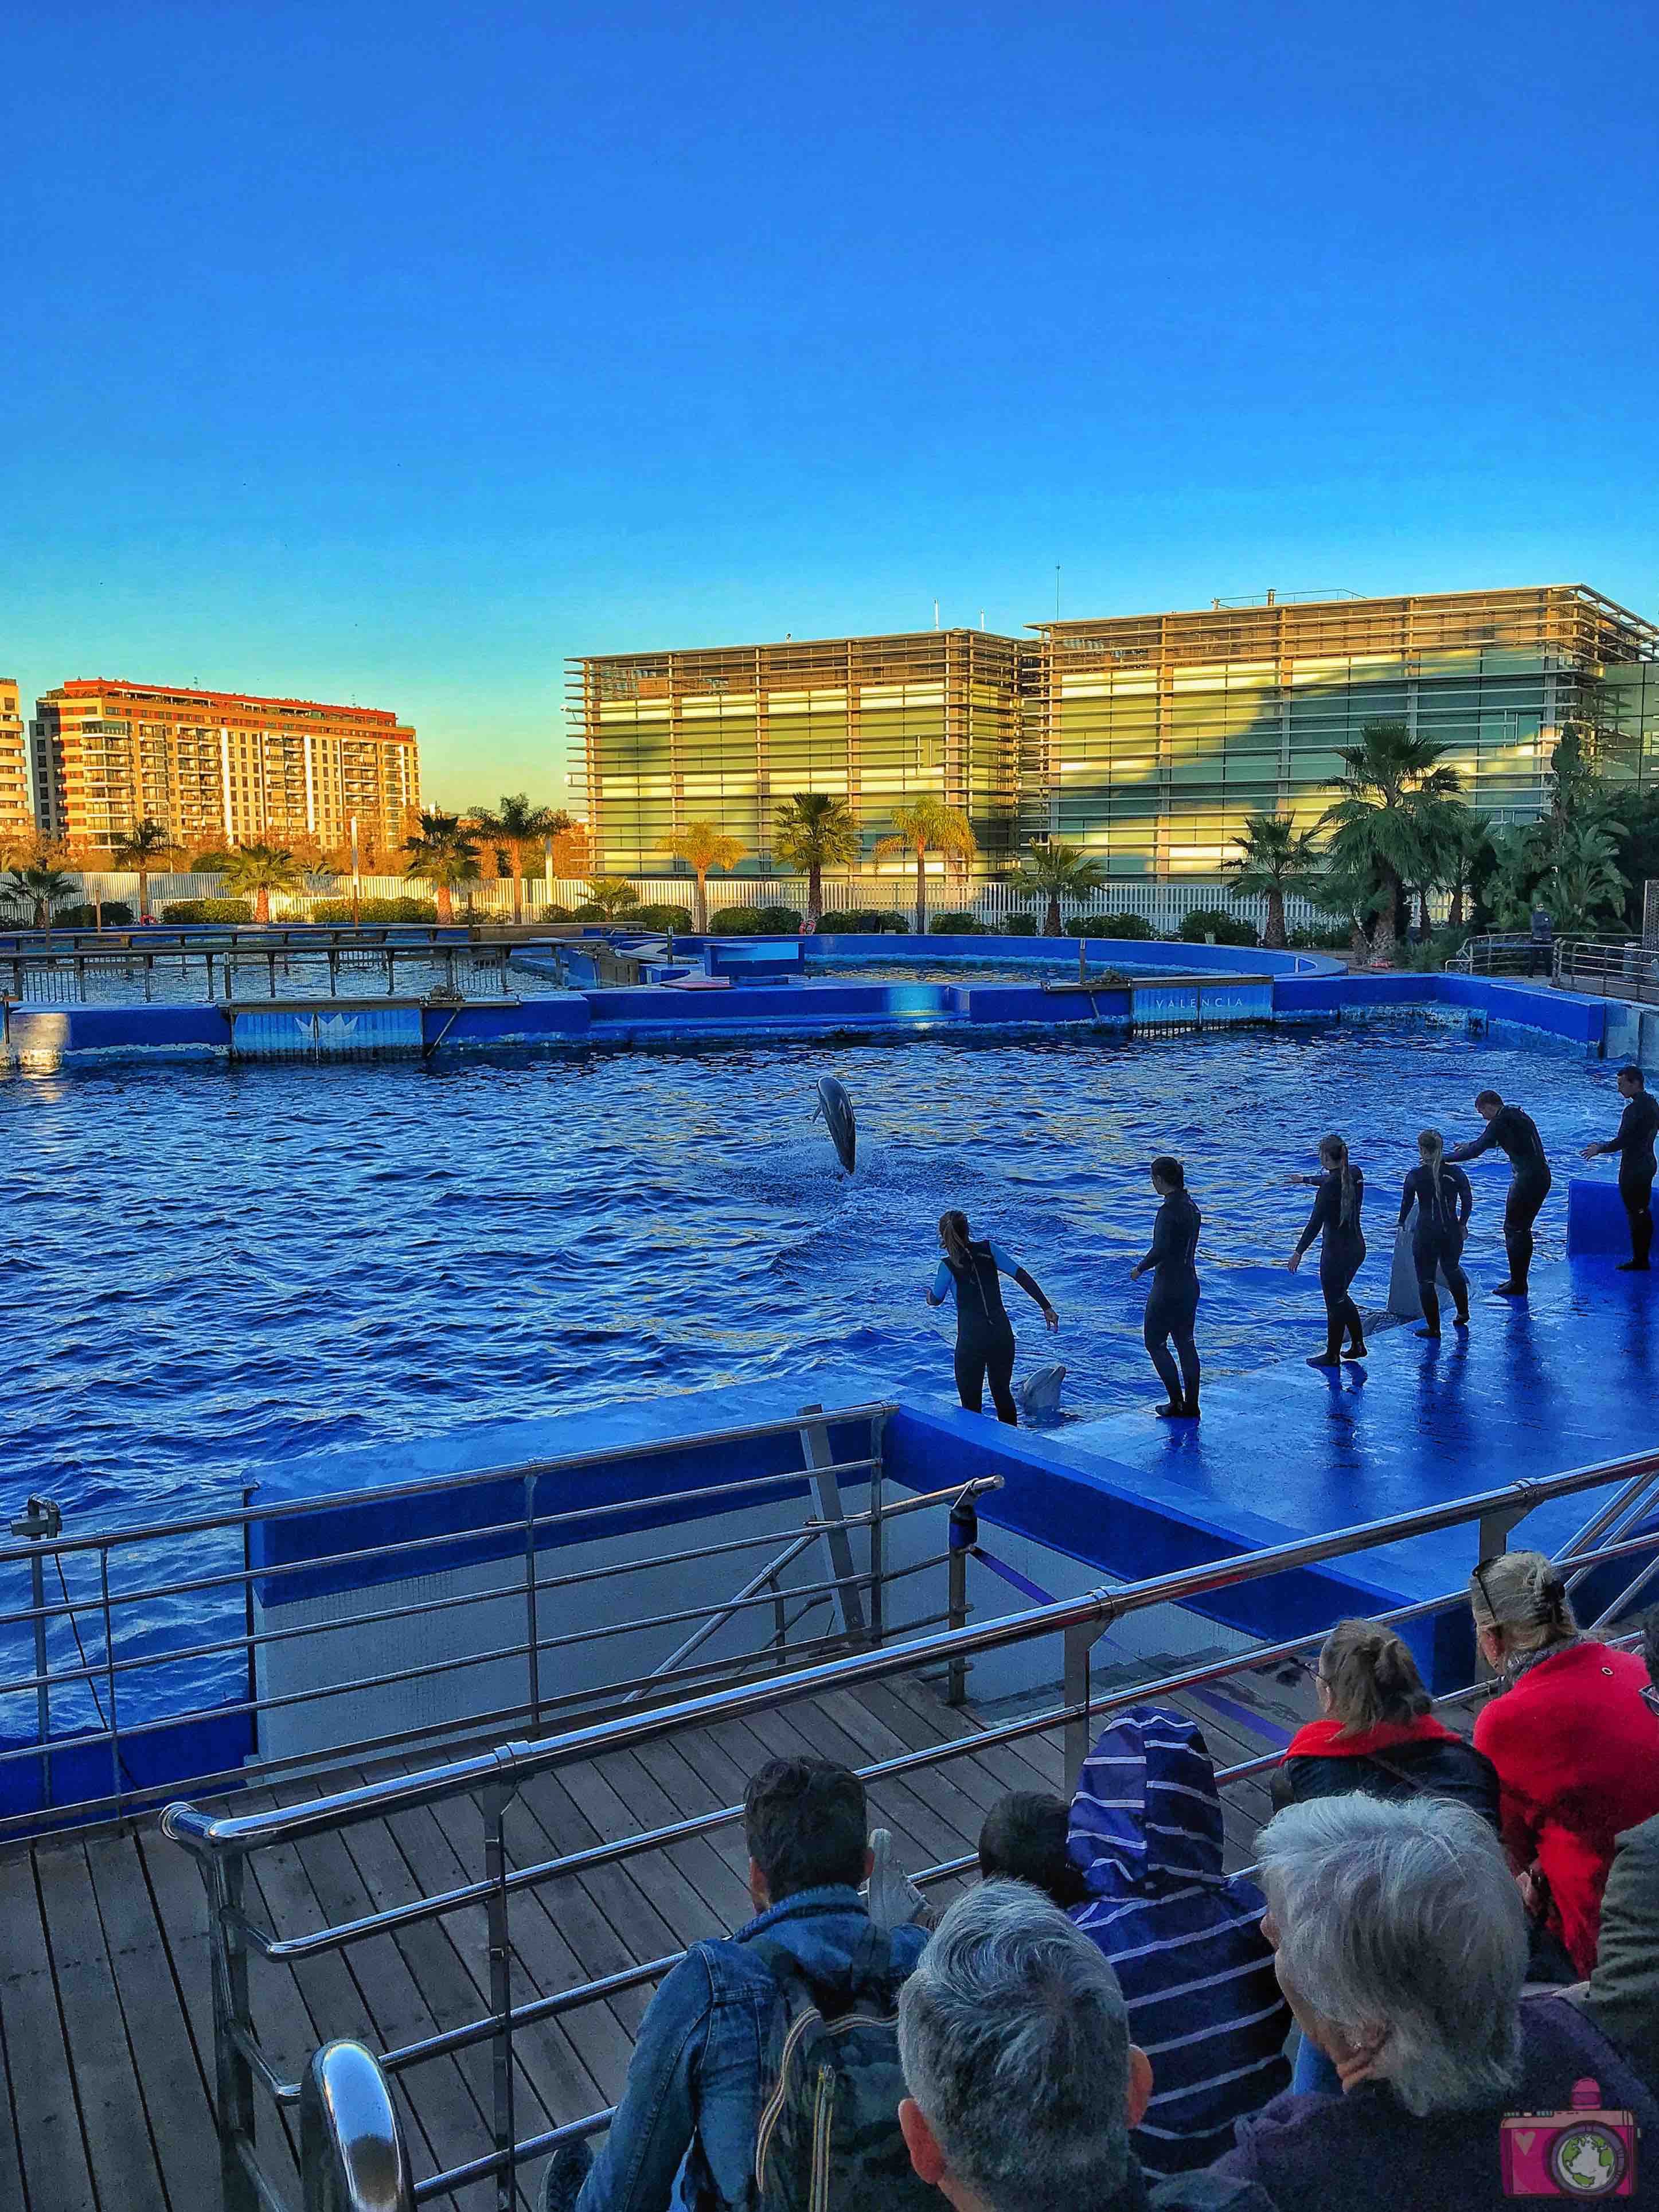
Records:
x=1574, y=1741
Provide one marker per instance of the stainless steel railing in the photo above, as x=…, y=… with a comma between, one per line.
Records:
x=1611, y=968
x=353, y=2157
x=89, y=1641
x=1618, y=1530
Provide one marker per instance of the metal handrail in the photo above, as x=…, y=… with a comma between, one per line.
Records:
x=353, y=2157
x=104, y=1673
x=222, y=1845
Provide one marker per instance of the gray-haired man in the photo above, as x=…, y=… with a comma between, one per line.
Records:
x=1023, y=2083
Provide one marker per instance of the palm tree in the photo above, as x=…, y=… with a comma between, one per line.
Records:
x=1465, y=853
x=148, y=842
x=443, y=855
x=42, y=888
x=924, y=825
x=703, y=846
x=260, y=869
x=1584, y=881
x=812, y=833
x=612, y=895
x=515, y=825
x=1380, y=825
x=1275, y=861
x=1055, y=871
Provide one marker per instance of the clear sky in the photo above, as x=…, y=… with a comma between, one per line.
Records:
x=398, y=351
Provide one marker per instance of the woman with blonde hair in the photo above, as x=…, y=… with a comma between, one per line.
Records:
x=1572, y=1736
x=1376, y=1733
x=1444, y=1201
x=985, y=1336
x=1336, y=1221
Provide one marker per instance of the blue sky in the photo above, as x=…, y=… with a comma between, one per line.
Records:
x=397, y=352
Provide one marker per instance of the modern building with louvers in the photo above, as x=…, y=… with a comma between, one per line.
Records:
x=1145, y=738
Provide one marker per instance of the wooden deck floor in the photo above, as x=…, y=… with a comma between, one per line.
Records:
x=105, y=2019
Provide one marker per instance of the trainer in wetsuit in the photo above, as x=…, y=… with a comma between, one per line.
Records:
x=1335, y=1218
x=1637, y=1125
x=985, y=1336
x=1515, y=1133
x=1444, y=1203
x=1172, y=1305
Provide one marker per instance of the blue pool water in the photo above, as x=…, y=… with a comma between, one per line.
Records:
x=210, y=1269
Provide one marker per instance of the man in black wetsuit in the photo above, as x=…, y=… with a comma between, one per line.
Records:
x=1172, y=1307
x=1638, y=1127
x=1515, y=1134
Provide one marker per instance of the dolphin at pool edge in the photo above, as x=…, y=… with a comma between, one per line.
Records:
x=837, y=1107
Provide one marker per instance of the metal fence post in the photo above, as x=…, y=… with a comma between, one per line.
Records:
x=877, y=1547
x=233, y=2075
x=1079, y=1642
x=532, y=1626
x=495, y=1797
x=965, y=1534
x=39, y=1521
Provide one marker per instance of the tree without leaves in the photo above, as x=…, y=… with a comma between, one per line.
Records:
x=441, y=854
x=812, y=833
x=928, y=825
x=1056, y=870
x=142, y=847
x=1275, y=861
x=702, y=846
x=1379, y=824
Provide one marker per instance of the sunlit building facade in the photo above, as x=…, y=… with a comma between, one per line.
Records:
x=219, y=767
x=1146, y=739
x=727, y=735
x=16, y=791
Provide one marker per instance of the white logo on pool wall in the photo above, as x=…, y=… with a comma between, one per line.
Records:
x=330, y=1029
x=1588, y=2152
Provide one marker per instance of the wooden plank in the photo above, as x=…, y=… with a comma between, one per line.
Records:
x=174, y=2093
x=52, y=2148
x=112, y=2116
x=12, y=2197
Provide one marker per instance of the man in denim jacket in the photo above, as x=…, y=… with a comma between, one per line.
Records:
x=693, y=2095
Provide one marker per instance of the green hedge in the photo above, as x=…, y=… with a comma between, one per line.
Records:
x=1129, y=925
x=1020, y=925
x=734, y=921
x=116, y=915
x=376, y=910
x=1227, y=928
x=554, y=913
x=208, y=909
x=957, y=925
x=678, y=918
x=866, y=921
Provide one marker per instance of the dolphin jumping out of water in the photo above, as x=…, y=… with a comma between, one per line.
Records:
x=836, y=1109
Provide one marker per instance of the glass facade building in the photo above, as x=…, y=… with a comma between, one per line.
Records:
x=728, y=734
x=1146, y=739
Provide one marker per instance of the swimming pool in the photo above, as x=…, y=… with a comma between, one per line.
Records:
x=212, y=1268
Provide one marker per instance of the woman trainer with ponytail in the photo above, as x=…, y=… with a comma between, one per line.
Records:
x=1335, y=1218
x=1444, y=1203
x=985, y=1336
x=1572, y=1736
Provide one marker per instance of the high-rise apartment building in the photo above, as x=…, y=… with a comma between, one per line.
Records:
x=1146, y=739
x=728, y=734
x=17, y=801
x=220, y=767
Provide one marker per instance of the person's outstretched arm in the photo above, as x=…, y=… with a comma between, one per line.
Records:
x=1006, y=1265
x=1316, y=1220
x=1475, y=1146
x=944, y=1283
x=1617, y=1142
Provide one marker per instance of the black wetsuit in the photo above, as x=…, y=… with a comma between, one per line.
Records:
x=1442, y=1215
x=985, y=1336
x=1172, y=1303
x=1339, y=1258
x=1515, y=1134
x=1638, y=1127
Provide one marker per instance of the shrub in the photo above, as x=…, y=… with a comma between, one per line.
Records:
x=957, y=925
x=554, y=913
x=734, y=921
x=1206, y=921
x=116, y=915
x=1134, y=925
x=777, y=920
x=1334, y=939
x=1020, y=925
x=678, y=918
x=337, y=912
x=866, y=921
x=208, y=909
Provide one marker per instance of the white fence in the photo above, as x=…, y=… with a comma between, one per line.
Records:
x=1165, y=905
